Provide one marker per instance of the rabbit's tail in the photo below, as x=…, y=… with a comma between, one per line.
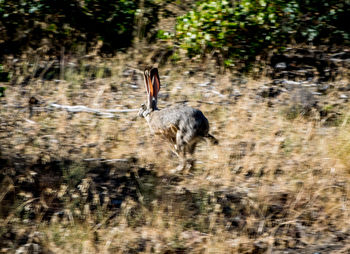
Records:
x=212, y=139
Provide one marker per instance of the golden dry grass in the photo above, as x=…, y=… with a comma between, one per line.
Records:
x=272, y=184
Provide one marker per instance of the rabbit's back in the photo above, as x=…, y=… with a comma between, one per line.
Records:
x=179, y=117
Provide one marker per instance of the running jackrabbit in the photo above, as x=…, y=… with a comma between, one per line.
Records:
x=181, y=125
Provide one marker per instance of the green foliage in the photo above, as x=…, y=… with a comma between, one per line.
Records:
x=246, y=28
x=74, y=174
x=234, y=29
x=2, y=91
x=4, y=76
x=66, y=23
x=161, y=34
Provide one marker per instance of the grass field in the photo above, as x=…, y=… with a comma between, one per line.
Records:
x=86, y=183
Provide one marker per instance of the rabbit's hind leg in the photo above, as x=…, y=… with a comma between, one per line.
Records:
x=191, y=149
x=180, y=150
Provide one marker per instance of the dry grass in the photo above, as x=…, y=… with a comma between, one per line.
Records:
x=271, y=185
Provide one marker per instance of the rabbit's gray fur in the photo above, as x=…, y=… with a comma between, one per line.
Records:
x=181, y=125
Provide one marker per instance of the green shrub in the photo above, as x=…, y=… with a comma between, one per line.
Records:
x=4, y=77
x=66, y=23
x=74, y=174
x=246, y=28
x=2, y=91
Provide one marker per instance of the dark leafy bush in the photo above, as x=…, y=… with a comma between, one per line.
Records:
x=4, y=77
x=57, y=23
x=246, y=28
x=2, y=91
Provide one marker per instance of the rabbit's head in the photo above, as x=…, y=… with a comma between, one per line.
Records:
x=152, y=85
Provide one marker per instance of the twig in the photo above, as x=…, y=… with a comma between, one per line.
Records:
x=116, y=160
x=8, y=182
x=103, y=112
x=109, y=160
x=134, y=69
x=18, y=208
x=29, y=121
x=48, y=66
x=208, y=102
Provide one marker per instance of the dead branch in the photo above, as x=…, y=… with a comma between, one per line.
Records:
x=108, y=113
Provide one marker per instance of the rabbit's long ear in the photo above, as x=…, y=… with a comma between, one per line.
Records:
x=155, y=82
x=149, y=88
x=145, y=78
